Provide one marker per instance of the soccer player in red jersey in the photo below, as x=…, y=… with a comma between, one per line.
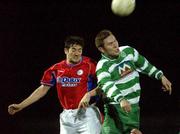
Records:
x=73, y=78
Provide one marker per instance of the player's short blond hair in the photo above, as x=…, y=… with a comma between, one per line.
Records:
x=99, y=40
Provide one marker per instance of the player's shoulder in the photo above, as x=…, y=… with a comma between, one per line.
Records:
x=58, y=65
x=102, y=63
x=88, y=60
x=125, y=47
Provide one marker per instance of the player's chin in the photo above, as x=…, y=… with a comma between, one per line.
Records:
x=115, y=55
x=75, y=61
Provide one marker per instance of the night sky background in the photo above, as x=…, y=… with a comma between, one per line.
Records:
x=32, y=39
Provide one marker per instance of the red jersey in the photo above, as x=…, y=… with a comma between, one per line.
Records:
x=72, y=81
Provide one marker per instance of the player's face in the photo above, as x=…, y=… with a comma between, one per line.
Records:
x=73, y=54
x=111, y=47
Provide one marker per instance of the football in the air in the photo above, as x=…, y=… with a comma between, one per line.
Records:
x=123, y=7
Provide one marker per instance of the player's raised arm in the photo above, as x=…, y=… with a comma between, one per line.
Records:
x=35, y=96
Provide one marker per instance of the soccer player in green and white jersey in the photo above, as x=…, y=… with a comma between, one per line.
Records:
x=118, y=76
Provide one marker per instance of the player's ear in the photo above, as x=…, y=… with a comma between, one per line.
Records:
x=66, y=50
x=101, y=49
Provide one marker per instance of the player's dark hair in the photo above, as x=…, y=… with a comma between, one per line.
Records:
x=71, y=40
x=99, y=40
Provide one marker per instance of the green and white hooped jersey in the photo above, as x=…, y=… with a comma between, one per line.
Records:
x=119, y=78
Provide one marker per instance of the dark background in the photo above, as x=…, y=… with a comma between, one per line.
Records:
x=32, y=39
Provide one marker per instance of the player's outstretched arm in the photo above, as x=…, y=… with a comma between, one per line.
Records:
x=166, y=84
x=35, y=96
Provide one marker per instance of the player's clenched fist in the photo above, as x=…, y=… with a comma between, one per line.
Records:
x=125, y=105
x=135, y=131
x=14, y=108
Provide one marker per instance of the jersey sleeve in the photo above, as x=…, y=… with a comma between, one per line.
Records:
x=49, y=77
x=145, y=67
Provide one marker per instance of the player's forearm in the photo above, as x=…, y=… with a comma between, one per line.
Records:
x=94, y=92
x=35, y=96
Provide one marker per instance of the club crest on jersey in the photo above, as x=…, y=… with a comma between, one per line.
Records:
x=80, y=72
x=124, y=70
x=68, y=82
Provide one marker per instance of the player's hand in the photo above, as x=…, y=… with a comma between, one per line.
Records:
x=84, y=103
x=135, y=131
x=14, y=108
x=125, y=105
x=166, y=85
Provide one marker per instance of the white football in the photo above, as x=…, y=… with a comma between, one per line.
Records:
x=123, y=7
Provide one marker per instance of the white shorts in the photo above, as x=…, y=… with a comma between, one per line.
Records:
x=80, y=121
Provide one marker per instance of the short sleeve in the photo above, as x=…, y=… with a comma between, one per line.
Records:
x=48, y=78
